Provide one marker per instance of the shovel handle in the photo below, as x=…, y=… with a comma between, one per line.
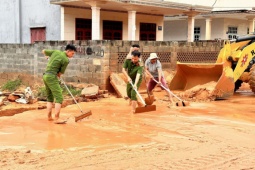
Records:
x=137, y=93
x=167, y=90
x=70, y=94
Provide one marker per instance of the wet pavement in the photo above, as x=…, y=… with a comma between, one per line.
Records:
x=111, y=123
x=222, y=128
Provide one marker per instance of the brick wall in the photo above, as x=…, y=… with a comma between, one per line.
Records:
x=168, y=52
x=95, y=60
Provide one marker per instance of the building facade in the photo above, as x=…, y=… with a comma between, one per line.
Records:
x=27, y=21
x=211, y=26
x=119, y=19
x=24, y=21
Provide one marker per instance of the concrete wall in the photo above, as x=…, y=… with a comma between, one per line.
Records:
x=220, y=27
x=23, y=60
x=9, y=17
x=26, y=60
x=177, y=30
x=241, y=25
x=18, y=16
x=40, y=13
x=217, y=29
x=71, y=13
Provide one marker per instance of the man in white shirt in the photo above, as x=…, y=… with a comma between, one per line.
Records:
x=153, y=68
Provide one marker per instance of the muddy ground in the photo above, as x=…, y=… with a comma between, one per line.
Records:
x=204, y=135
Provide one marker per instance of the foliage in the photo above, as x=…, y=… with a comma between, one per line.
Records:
x=12, y=85
x=74, y=91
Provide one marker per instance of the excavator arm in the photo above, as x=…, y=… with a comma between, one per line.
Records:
x=245, y=56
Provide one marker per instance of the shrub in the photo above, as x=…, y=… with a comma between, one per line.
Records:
x=12, y=85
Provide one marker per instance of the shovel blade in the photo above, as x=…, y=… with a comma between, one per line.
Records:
x=189, y=75
x=83, y=115
x=149, y=100
x=147, y=108
x=61, y=122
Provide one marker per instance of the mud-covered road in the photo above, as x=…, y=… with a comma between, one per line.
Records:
x=212, y=135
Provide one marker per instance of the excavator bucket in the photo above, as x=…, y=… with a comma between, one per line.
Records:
x=189, y=75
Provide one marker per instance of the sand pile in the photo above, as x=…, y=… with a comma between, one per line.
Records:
x=200, y=92
x=245, y=87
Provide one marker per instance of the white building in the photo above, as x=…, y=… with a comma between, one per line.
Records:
x=26, y=21
x=120, y=19
x=227, y=20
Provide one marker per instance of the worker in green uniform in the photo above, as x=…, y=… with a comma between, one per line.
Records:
x=133, y=71
x=58, y=61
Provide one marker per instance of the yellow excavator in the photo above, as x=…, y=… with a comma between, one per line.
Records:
x=235, y=64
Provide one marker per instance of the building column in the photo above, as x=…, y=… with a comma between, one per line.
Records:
x=95, y=23
x=62, y=23
x=251, y=25
x=191, y=23
x=18, y=22
x=131, y=25
x=208, y=28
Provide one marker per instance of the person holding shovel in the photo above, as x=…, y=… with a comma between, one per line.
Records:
x=133, y=72
x=58, y=61
x=153, y=68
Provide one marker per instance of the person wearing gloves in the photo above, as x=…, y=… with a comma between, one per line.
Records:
x=153, y=68
x=133, y=72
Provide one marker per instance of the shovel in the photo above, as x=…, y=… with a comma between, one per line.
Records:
x=78, y=116
x=181, y=102
x=146, y=108
x=150, y=99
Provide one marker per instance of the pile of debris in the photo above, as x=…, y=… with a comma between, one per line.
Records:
x=18, y=101
x=90, y=92
x=200, y=93
x=3, y=98
x=25, y=97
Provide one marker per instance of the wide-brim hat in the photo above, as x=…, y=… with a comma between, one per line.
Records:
x=153, y=56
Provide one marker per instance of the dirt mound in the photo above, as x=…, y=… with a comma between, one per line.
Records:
x=244, y=87
x=200, y=92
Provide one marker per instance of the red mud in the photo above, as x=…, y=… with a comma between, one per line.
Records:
x=200, y=92
x=215, y=135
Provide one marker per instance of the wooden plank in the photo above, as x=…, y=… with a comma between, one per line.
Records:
x=119, y=85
